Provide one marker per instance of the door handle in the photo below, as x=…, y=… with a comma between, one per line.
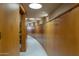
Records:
x=0, y=35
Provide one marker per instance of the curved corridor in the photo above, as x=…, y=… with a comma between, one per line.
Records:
x=33, y=48
x=52, y=30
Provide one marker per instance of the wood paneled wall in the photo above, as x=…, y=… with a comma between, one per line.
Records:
x=39, y=29
x=9, y=28
x=23, y=27
x=61, y=35
x=23, y=33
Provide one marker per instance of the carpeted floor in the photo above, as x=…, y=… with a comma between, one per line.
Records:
x=33, y=48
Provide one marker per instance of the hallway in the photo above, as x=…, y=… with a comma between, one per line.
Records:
x=50, y=30
x=33, y=48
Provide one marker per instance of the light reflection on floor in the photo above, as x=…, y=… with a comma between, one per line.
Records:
x=33, y=48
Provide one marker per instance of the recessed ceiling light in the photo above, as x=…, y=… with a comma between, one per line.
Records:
x=35, y=6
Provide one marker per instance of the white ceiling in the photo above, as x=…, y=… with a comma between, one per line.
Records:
x=46, y=9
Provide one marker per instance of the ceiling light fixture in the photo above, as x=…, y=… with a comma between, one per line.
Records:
x=35, y=6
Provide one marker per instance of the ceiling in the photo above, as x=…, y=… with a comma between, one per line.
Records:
x=44, y=11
